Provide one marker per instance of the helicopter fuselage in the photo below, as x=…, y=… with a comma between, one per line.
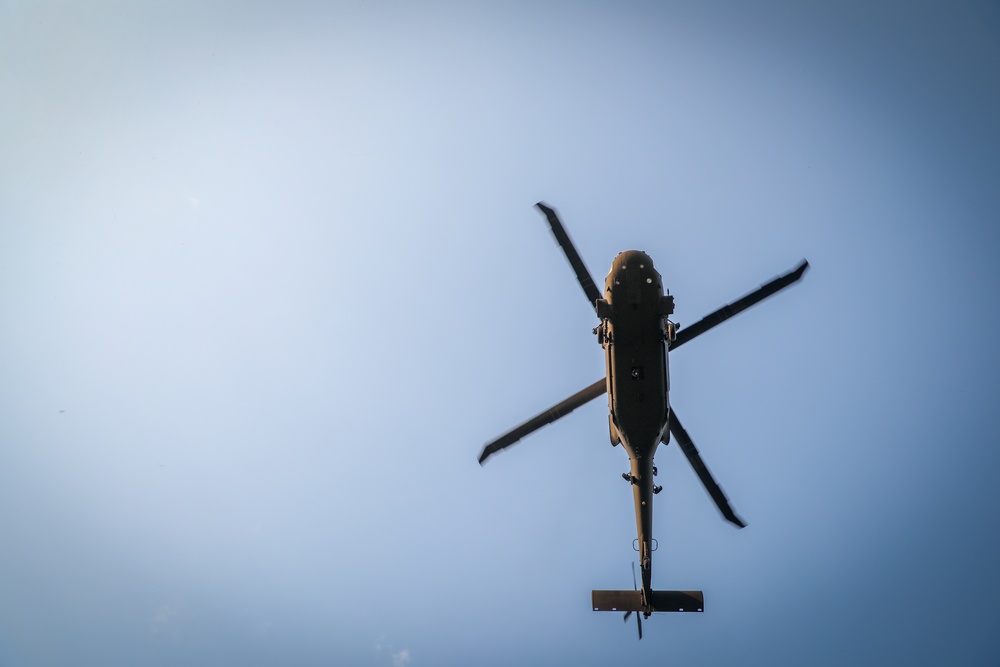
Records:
x=635, y=334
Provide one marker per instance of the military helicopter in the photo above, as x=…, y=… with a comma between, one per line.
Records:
x=637, y=333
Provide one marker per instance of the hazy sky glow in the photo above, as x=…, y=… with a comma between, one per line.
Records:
x=270, y=276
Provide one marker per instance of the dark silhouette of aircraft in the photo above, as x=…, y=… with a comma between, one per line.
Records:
x=636, y=333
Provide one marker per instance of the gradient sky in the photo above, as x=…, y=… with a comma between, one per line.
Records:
x=270, y=277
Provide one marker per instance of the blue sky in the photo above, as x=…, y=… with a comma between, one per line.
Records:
x=270, y=276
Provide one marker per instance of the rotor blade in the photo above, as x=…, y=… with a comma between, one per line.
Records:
x=638, y=616
x=691, y=452
x=582, y=275
x=547, y=417
x=635, y=585
x=727, y=311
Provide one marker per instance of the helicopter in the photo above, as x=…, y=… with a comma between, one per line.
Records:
x=637, y=334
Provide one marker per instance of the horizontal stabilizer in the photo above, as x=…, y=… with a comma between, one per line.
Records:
x=662, y=601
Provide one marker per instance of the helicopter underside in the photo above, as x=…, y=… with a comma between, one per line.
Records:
x=636, y=334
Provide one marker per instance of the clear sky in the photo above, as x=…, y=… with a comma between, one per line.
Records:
x=270, y=277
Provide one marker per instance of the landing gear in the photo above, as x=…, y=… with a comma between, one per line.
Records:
x=627, y=476
x=657, y=489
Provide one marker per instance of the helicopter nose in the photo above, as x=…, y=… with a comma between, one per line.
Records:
x=632, y=259
x=634, y=266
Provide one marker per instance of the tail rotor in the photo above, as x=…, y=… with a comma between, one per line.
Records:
x=638, y=615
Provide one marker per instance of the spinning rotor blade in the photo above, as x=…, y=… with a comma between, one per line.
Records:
x=691, y=452
x=547, y=417
x=638, y=616
x=586, y=282
x=727, y=311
